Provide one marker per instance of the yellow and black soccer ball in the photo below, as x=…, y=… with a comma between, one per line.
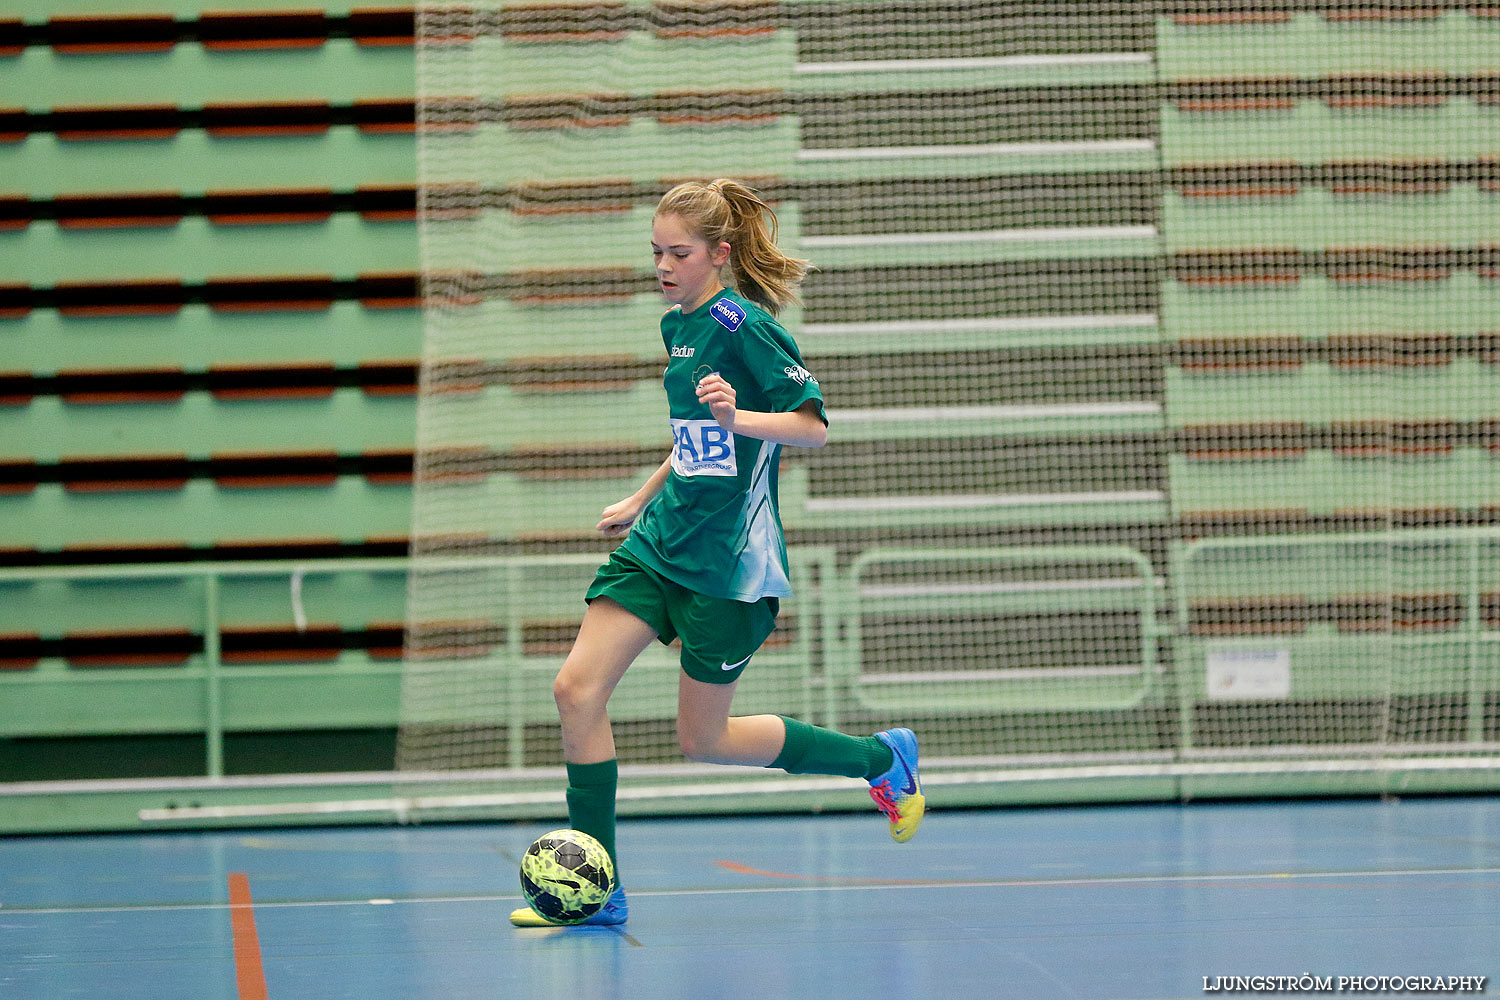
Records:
x=566, y=876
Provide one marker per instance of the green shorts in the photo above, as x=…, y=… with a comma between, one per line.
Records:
x=718, y=635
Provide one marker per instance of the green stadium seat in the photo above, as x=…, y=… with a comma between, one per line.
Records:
x=1350, y=203
x=1316, y=307
x=196, y=250
x=48, y=517
x=1312, y=131
x=195, y=337
x=1336, y=380
x=1322, y=482
x=214, y=71
x=348, y=421
x=194, y=160
x=1328, y=38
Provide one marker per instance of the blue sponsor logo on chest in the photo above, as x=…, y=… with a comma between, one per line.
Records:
x=729, y=315
x=702, y=448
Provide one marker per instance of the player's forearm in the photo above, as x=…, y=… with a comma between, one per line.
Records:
x=801, y=428
x=656, y=482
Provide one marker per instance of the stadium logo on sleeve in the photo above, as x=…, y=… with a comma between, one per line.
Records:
x=729, y=315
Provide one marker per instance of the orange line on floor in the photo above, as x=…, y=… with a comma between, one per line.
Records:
x=249, y=976
x=735, y=866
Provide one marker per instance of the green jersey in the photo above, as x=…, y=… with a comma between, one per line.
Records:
x=715, y=527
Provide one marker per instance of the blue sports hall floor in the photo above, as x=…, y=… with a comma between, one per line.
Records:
x=1150, y=901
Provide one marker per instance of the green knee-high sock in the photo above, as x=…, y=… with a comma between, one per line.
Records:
x=811, y=750
x=591, y=802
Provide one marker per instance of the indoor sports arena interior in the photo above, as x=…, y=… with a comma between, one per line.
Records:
x=1160, y=345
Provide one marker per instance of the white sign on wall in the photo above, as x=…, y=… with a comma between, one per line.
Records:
x=1249, y=673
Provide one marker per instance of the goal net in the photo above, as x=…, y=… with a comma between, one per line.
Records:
x=1158, y=346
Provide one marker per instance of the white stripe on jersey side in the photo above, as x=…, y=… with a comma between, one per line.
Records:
x=758, y=570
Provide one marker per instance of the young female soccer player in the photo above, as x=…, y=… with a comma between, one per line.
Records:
x=704, y=558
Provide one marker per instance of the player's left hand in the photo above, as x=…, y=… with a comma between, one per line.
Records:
x=719, y=395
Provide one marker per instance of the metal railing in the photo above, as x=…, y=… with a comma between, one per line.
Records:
x=1079, y=688
x=1471, y=629
x=517, y=668
x=212, y=577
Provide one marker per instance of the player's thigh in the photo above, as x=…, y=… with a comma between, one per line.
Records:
x=608, y=642
x=708, y=732
x=702, y=709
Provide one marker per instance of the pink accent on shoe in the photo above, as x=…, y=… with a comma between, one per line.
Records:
x=881, y=793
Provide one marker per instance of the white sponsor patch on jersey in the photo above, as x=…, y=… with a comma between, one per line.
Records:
x=799, y=375
x=702, y=448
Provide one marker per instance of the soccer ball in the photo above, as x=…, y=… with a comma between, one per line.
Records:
x=566, y=876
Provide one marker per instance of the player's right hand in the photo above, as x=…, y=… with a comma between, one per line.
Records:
x=618, y=517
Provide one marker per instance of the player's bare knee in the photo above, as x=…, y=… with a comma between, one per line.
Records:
x=573, y=694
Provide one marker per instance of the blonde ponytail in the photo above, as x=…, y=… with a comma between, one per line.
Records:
x=726, y=211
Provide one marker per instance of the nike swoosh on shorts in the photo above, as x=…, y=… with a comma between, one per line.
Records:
x=735, y=666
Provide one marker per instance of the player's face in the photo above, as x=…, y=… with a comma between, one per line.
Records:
x=686, y=269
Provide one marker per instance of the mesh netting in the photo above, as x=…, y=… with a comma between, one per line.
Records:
x=1158, y=343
